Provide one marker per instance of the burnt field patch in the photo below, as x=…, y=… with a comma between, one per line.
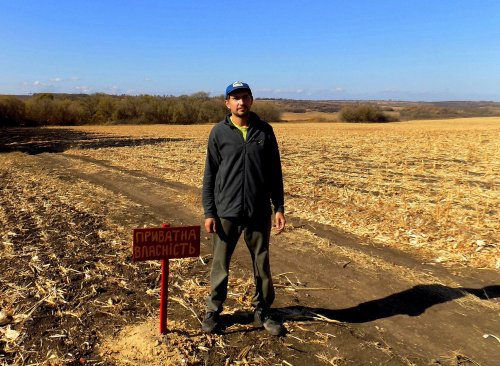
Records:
x=33, y=140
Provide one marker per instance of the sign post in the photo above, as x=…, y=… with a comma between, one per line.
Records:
x=165, y=243
x=164, y=292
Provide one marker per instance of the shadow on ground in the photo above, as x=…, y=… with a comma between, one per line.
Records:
x=33, y=140
x=412, y=302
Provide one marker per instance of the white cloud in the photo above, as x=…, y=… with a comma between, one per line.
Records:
x=334, y=92
x=283, y=91
x=51, y=81
x=82, y=89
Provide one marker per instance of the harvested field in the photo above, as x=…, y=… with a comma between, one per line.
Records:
x=309, y=117
x=430, y=188
x=392, y=229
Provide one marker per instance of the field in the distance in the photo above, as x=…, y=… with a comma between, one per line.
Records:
x=425, y=187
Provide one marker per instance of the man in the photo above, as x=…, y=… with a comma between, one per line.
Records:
x=242, y=178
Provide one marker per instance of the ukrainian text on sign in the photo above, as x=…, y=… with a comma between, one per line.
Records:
x=166, y=243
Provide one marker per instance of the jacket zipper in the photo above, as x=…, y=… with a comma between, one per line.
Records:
x=245, y=213
x=243, y=184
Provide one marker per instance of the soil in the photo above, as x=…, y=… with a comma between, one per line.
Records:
x=344, y=300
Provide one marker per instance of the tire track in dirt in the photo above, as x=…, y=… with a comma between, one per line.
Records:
x=136, y=185
x=386, y=314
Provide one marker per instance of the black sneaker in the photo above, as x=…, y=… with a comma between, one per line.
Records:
x=210, y=322
x=272, y=326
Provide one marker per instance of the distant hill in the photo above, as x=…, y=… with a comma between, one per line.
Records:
x=76, y=109
x=402, y=110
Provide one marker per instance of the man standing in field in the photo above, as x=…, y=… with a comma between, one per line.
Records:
x=242, y=178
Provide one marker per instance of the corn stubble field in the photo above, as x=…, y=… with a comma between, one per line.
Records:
x=427, y=188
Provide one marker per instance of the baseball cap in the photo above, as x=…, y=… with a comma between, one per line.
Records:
x=236, y=86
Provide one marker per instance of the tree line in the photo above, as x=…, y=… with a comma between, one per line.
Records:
x=47, y=109
x=364, y=113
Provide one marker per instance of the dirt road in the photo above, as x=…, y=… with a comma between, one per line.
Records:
x=344, y=301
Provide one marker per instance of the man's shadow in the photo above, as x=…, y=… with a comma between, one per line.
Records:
x=412, y=302
x=239, y=317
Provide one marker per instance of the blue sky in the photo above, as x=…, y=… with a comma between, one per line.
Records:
x=339, y=49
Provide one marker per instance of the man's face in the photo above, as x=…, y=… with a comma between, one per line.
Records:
x=239, y=103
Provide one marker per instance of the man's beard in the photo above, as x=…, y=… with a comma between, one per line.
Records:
x=242, y=113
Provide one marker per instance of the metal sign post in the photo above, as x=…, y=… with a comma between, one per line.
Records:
x=165, y=243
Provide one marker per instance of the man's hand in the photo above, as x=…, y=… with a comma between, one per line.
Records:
x=210, y=225
x=279, y=221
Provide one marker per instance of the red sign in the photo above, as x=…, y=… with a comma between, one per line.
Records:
x=166, y=243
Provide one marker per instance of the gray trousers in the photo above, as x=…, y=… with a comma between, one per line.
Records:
x=256, y=235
